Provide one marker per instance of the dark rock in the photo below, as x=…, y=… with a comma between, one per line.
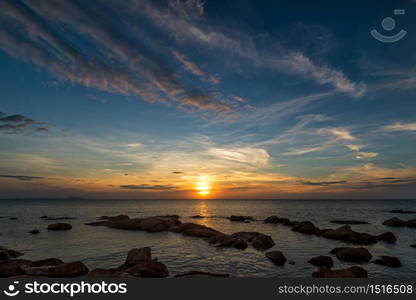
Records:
x=136, y=256
x=72, y=269
x=395, y=222
x=13, y=218
x=58, y=218
x=306, y=227
x=411, y=223
x=148, y=269
x=199, y=274
x=401, y=211
x=413, y=245
x=291, y=262
x=34, y=231
x=8, y=253
x=240, y=244
x=349, y=254
x=196, y=230
x=149, y=224
x=197, y=217
x=13, y=267
x=46, y=262
x=59, y=226
x=262, y=242
x=102, y=218
x=388, y=261
x=345, y=233
x=277, y=220
x=341, y=233
x=241, y=218
x=352, y=272
x=388, y=237
x=349, y=222
x=322, y=261
x=276, y=257
x=44, y=217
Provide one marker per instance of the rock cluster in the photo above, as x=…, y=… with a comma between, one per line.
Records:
x=396, y=222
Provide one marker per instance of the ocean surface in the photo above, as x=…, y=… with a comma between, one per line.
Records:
x=106, y=247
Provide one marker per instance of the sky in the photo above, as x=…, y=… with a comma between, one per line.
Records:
x=206, y=99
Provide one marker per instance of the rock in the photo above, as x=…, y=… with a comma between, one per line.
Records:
x=197, y=217
x=59, y=226
x=240, y=244
x=136, y=256
x=362, y=238
x=388, y=237
x=345, y=233
x=8, y=253
x=46, y=262
x=102, y=273
x=277, y=220
x=349, y=222
x=200, y=274
x=413, y=245
x=148, y=270
x=352, y=254
x=58, y=218
x=388, y=261
x=262, y=242
x=13, y=218
x=196, y=230
x=241, y=218
x=306, y=227
x=291, y=262
x=44, y=217
x=72, y=269
x=341, y=233
x=118, y=218
x=401, y=211
x=13, y=267
x=352, y=272
x=276, y=257
x=322, y=261
x=411, y=223
x=395, y=222
x=34, y=231
x=102, y=218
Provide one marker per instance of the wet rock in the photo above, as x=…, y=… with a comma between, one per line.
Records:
x=200, y=274
x=241, y=219
x=148, y=270
x=13, y=267
x=34, y=231
x=103, y=218
x=306, y=227
x=240, y=244
x=349, y=222
x=345, y=233
x=59, y=226
x=8, y=253
x=362, y=238
x=401, y=211
x=395, y=222
x=341, y=233
x=136, y=256
x=411, y=223
x=197, y=217
x=72, y=269
x=322, y=261
x=102, y=273
x=276, y=257
x=388, y=237
x=58, y=218
x=277, y=220
x=352, y=272
x=262, y=242
x=46, y=262
x=388, y=261
x=350, y=254
x=196, y=230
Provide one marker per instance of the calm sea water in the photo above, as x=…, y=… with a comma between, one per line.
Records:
x=105, y=247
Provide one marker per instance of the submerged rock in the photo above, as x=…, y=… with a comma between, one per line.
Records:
x=276, y=257
x=395, y=222
x=34, y=231
x=277, y=220
x=401, y=211
x=350, y=254
x=388, y=261
x=59, y=226
x=349, y=222
x=200, y=274
x=413, y=245
x=352, y=272
x=322, y=261
x=241, y=219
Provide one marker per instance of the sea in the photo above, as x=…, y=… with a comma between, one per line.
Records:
x=102, y=247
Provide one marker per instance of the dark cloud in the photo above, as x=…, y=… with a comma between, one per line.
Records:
x=148, y=187
x=323, y=183
x=128, y=64
x=177, y=172
x=17, y=123
x=21, y=177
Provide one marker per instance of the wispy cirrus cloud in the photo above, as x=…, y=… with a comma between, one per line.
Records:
x=21, y=177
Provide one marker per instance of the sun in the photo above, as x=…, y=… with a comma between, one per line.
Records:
x=203, y=186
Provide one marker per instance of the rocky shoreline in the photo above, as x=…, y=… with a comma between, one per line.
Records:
x=139, y=261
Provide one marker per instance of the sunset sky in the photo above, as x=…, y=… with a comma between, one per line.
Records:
x=206, y=99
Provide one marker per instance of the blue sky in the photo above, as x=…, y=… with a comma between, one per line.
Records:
x=240, y=99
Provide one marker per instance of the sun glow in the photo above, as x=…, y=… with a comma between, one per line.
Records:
x=203, y=186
